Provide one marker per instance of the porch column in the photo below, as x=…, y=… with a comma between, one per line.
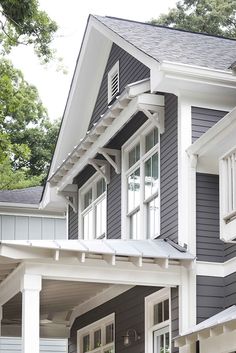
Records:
x=30, y=288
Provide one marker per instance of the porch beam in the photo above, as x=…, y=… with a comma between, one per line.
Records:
x=11, y=285
x=121, y=273
x=30, y=287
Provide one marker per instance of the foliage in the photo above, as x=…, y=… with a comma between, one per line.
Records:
x=215, y=17
x=27, y=137
x=23, y=22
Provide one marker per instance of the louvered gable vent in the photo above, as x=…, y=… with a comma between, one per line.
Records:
x=113, y=82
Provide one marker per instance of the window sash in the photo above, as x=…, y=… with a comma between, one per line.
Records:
x=142, y=176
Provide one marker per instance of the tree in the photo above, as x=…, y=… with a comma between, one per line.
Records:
x=22, y=22
x=215, y=17
x=27, y=137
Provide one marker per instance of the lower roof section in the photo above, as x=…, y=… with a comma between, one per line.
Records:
x=110, y=250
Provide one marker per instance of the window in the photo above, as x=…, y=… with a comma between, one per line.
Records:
x=141, y=184
x=97, y=337
x=92, y=206
x=157, y=322
x=228, y=196
x=113, y=82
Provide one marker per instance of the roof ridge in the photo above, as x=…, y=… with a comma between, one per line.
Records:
x=166, y=27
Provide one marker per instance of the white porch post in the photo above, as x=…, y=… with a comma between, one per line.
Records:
x=30, y=287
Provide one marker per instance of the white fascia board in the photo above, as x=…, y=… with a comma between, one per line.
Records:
x=16, y=205
x=89, y=69
x=177, y=78
x=210, y=139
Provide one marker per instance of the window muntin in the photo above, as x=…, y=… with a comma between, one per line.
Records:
x=92, y=222
x=157, y=318
x=141, y=184
x=97, y=337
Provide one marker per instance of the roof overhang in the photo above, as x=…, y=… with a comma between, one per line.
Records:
x=216, y=334
x=214, y=144
x=133, y=100
x=101, y=269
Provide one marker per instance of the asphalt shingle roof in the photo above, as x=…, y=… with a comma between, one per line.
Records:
x=26, y=196
x=174, y=45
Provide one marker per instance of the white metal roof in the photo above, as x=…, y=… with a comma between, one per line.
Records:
x=143, y=249
x=217, y=323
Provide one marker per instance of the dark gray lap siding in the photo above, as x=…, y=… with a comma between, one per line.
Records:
x=210, y=296
x=209, y=246
x=214, y=294
x=129, y=313
x=203, y=119
x=130, y=70
x=169, y=171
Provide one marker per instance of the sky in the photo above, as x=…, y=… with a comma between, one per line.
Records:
x=71, y=17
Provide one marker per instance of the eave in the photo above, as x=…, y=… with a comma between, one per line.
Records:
x=133, y=99
x=215, y=143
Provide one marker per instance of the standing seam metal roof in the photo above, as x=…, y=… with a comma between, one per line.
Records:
x=163, y=43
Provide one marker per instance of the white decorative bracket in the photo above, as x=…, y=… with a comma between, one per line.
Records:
x=70, y=194
x=156, y=115
x=107, y=153
x=102, y=167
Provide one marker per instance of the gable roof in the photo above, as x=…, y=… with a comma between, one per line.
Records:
x=29, y=196
x=168, y=44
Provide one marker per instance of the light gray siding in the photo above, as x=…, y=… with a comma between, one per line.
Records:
x=169, y=171
x=14, y=227
x=13, y=345
x=203, y=119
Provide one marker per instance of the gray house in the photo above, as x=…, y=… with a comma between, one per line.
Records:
x=145, y=166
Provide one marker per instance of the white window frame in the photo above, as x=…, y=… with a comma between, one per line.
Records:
x=227, y=173
x=126, y=148
x=90, y=184
x=90, y=329
x=150, y=301
x=113, y=71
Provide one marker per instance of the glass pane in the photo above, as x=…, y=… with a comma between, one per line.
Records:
x=166, y=310
x=134, y=155
x=167, y=342
x=133, y=190
x=86, y=344
x=153, y=218
x=151, y=176
x=135, y=225
x=87, y=198
x=101, y=187
x=88, y=225
x=109, y=333
x=101, y=218
x=97, y=338
x=151, y=139
x=157, y=313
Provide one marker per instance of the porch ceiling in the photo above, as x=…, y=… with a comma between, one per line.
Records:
x=6, y=267
x=57, y=300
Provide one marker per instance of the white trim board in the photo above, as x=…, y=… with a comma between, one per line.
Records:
x=216, y=269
